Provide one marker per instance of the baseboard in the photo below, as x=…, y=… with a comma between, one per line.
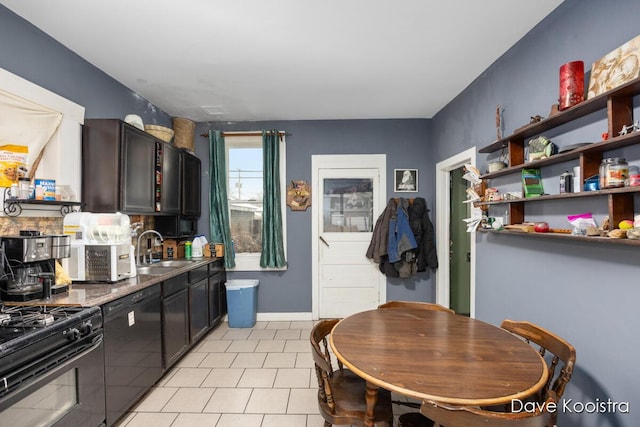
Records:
x=280, y=317
x=283, y=317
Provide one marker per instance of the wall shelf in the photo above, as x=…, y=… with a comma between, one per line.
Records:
x=14, y=207
x=566, y=237
x=546, y=197
x=596, y=147
x=618, y=105
x=577, y=111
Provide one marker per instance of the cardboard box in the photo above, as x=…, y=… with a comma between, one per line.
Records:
x=45, y=189
x=180, y=250
x=206, y=251
x=169, y=246
x=219, y=250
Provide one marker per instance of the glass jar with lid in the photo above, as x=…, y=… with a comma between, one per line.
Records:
x=614, y=172
x=23, y=188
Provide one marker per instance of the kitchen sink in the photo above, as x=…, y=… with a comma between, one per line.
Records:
x=154, y=270
x=174, y=263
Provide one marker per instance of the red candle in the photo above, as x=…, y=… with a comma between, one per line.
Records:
x=571, y=84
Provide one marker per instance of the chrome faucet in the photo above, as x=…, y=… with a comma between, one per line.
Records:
x=134, y=227
x=138, y=246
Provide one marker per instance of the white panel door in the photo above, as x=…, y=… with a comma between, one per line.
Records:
x=348, y=202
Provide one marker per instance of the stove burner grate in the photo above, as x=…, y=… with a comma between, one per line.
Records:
x=33, y=317
x=4, y=319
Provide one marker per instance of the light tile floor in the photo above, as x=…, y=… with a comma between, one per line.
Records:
x=249, y=377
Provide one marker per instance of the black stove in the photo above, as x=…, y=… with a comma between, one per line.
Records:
x=32, y=333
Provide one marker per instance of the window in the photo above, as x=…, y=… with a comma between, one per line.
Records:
x=245, y=194
x=348, y=205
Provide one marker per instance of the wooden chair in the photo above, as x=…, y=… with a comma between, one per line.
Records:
x=341, y=393
x=554, y=349
x=415, y=305
x=465, y=416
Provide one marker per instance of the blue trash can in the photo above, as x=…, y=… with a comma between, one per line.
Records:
x=242, y=302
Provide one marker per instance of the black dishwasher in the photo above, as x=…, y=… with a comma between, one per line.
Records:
x=132, y=349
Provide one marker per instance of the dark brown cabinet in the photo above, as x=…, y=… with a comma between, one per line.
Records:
x=206, y=298
x=198, y=310
x=217, y=292
x=125, y=169
x=170, y=179
x=175, y=319
x=198, y=302
x=118, y=168
x=192, y=303
x=191, y=175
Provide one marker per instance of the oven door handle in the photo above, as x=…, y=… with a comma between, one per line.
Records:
x=12, y=384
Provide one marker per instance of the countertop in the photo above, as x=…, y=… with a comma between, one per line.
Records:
x=87, y=294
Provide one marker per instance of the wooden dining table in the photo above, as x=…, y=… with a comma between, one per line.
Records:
x=436, y=355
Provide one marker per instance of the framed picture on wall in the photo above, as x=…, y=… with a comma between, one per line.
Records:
x=405, y=180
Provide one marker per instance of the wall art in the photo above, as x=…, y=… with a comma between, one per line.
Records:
x=615, y=68
x=405, y=180
x=298, y=195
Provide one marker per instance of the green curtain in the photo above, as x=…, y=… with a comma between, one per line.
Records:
x=272, y=244
x=218, y=201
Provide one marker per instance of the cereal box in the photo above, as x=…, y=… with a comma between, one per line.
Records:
x=45, y=189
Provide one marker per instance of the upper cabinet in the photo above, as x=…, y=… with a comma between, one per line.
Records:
x=191, y=175
x=169, y=185
x=128, y=170
x=137, y=160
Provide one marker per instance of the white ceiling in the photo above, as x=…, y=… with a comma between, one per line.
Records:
x=233, y=60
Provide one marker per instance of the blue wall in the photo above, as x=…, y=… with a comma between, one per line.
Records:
x=29, y=53
x=405, y=142
x=587, y=293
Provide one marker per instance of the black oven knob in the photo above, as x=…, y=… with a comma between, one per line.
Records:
x=73, y=334
x=86, y=328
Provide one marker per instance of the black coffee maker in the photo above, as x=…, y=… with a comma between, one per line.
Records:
x=28, y=265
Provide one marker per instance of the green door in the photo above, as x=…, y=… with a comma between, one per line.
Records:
x=459, y=246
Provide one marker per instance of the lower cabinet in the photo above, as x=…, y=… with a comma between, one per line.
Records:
x=198, y=310
x=215, y=312
x=192, y=303
x=217, y=292
x=175, y=319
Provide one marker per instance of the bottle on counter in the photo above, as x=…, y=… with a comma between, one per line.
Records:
x=187, y=250
x=196, y=247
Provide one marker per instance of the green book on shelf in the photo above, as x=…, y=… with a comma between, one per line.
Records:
x=531, y=183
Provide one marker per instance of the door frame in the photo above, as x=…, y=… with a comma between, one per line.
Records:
x=341, y=161
x=443, y=216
